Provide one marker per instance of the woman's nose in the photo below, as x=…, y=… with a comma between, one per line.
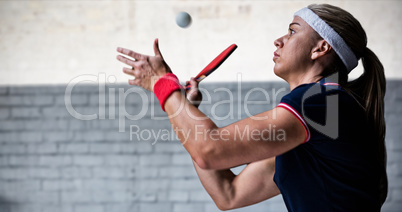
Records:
x=279, y=42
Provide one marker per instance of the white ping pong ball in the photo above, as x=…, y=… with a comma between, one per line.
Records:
x=183, y=19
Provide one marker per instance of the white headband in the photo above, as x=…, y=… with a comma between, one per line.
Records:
x=328, y=34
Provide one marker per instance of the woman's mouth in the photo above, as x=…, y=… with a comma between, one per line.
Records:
x=276, y=56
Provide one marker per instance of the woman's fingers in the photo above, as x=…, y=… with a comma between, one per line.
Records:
x=134, y=82
x=128, y=71
x=193, y=94
x=156, y=48
x=193, y=83
x=133, y=72
x=130, y=53
x=125, y=60
x=137, y=66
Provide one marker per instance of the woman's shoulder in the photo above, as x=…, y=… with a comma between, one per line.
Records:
x=321, y=105
x=318, y=100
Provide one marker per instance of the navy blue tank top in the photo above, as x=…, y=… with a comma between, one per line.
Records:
x=335, y=169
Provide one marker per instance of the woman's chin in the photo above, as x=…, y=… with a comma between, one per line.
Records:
x=277, y=72
x=280, y=73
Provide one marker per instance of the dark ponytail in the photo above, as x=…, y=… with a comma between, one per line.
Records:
x=370, y=88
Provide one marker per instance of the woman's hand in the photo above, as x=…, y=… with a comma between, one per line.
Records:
x=194, y=96
x=146, y=70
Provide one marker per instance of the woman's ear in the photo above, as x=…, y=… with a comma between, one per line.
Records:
x=322, y=48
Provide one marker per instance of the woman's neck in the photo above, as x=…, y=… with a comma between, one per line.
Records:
x=304, y=79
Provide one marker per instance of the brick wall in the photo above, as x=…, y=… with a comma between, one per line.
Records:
x=112, y=149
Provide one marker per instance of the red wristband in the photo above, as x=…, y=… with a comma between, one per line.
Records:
x=165, y=86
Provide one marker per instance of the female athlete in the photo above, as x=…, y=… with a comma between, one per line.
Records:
x=332, y=155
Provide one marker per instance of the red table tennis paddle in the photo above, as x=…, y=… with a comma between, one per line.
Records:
x=214, y=64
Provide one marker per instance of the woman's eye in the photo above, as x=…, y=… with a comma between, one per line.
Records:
x=291, y=31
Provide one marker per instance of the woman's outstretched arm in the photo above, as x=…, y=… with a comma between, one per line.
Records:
x=256, y=138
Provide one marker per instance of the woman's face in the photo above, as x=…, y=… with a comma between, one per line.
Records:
x=293, y=54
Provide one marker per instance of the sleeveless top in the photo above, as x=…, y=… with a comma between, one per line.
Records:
x=335, y=169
